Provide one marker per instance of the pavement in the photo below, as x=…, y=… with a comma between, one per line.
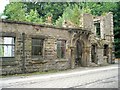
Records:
x=82, y=77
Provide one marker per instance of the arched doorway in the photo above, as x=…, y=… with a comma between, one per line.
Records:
x=78, y=53
x=80, y=49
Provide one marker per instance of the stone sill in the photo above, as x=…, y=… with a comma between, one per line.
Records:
x=9, y=63
x=61, y=60
x=105, y=57
x=38, y=62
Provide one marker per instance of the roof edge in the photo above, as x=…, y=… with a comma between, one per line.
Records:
x=41, y=25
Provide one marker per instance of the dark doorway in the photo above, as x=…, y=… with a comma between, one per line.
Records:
x=78, y=54
x=106, y=51
x=94, y=54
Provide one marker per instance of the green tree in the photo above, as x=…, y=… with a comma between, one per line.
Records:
x=15, y=11
x=72, y=14
x=116, y=13
x=43, y=8
x=99, y=8
x=18, y=12
x=33, y=17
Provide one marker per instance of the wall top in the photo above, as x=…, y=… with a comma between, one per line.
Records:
x=42, y=25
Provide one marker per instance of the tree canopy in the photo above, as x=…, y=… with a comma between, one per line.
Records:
x=116, y=17
x=15, y=11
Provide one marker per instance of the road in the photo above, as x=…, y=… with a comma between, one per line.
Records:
x=97, y=77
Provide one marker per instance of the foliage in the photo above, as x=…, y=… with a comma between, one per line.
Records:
x=43, y=8
x=15, y=11
x=116, y=13
x=18, y=12
x=99, y=8
x=33, y=17
x=72, y=14
x=59, y=22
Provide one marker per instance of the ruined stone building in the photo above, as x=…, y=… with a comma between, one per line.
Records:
x=28, y=47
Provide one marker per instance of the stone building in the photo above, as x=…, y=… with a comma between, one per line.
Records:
x=27, y=47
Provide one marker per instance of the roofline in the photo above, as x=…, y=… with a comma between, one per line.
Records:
x=41, y=25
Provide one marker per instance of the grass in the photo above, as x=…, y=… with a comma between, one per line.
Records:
x=30, y=74
x=42, y=73
x=33, y=73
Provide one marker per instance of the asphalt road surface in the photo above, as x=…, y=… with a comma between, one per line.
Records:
x=95, y=77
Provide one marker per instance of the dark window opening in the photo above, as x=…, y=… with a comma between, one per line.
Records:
x=61, y=48
x=7, y=46
x=97, y=26
x=105, y=50
x=37, y=47
x=93, y=53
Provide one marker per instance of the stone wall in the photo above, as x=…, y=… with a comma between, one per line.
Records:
x=106, y=38
x=48, y=62
x=106, y=35
x=87, y=22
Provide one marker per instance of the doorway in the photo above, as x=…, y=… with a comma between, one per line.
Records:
x=106, y=52
x=94, y=54
x=78, y=54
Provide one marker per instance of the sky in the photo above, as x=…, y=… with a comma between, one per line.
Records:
x=3, y=3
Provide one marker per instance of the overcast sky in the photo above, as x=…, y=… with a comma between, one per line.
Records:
x=3, y=4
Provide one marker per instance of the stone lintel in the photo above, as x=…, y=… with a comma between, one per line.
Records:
x=11, y=34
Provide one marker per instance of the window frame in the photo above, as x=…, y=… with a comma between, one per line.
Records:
x=61, y=46
x=33, y=45
x=98, y=29
x=12, y=45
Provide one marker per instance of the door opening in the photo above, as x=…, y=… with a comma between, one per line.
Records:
x=93, y=54
x=78, y=54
